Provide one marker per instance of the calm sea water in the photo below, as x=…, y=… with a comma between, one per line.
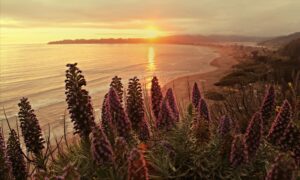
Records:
x=38, y=72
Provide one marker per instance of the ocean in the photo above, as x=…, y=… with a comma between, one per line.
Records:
x=37, y=71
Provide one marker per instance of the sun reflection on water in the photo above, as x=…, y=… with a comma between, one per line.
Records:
x=151, y=59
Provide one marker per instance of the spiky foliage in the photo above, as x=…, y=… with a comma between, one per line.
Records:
x=296, y=155
x=172, y=102
x=225, y=124
x=280, y=123
x=156, y=96
x=166, y=119
x=5, y=166
x=291, y=137
x=119, y=117
x=137, y=168
x=225, y=137
x=253, y=135
x=238, y=154
x=30, y=127
x=282, y=168
x=268, y=107
x=116, y=83
x=79, y=102
x=196, y=95
x=144, y=130
x=167, y=146
x=101, y=148
x=135, y=103
x=106, y=120
x=202, y=110
x=15, y=155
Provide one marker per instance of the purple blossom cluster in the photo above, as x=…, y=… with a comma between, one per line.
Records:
x=156, y=96
x=135, y=103
x=118, y=116
x=196, y=95
x=282, y=168
x=15, y=155
x=79, y=102
x=137, y=167
x=101, y=148
x=30, y=127
x=172, y=103
x=268, y=107
x=253, y=135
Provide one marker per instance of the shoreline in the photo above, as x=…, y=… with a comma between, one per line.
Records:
x=182, y=86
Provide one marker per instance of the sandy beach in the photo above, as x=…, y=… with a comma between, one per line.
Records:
x=182, y=85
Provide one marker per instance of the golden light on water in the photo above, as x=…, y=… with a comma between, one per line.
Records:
x=151, y=59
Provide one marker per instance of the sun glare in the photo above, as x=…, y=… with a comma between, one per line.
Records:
x=152, y=32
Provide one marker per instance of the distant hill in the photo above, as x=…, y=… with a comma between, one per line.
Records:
x=280, y=41
x=175, y=39
x=292, y=49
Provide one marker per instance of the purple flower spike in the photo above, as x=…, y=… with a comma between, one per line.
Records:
x=79, y=102
x=196, y=95
x=291, y=137
x=106, y=120
x=144, y=130
x=135, y=103
x=15, y=155
x=253, y=135
x=224, y=125
x=101, y=148
x=282, y=168
x=30, y=127
x=238, y=154
x=119, y=117
x=268, y=107
x=156, y=96
x=203, y=110
x=166, y=119
x=172, y=102
x=137, y=168
x=118, y=86
x=280, y=123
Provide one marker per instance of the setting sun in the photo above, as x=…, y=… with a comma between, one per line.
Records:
x=152, y=32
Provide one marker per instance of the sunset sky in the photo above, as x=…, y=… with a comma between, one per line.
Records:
x=40, y=21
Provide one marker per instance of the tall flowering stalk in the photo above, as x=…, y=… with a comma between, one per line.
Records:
x=196, y=95
x=101, y=148
x=106, y=120
x=280, y=123
x=116, y=83
x=119, y=117
x=16, y=158
x=268, y=107
x=172, y=103
x=144, y=130
x=224, y=133
x=224, y=126
x=135, y=103
x=238, y=155
x=282, y=168
x=202, y=110
x=5, y=165
x=79, y=102
x=30, y=127
x=290, y=139
x=166, y=119
x=156, y=96
x=137, y=168
x=253, y=135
